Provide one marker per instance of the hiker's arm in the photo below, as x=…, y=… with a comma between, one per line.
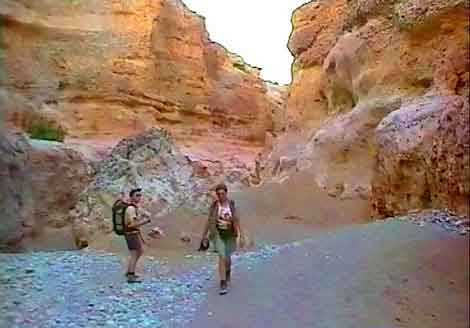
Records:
x=236, y=222
x=134, y=221
x=142, y=222
x=240, y=237
x=144, y=213
x=133, y=224
x=208, y=221
x=144, y=217
x=137, y=224
x=238, y=228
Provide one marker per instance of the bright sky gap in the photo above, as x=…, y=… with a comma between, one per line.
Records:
x=257, y=30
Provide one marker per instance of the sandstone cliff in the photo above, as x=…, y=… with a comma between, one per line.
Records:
x=377, y=111
x=111, y=69
x=378, y=107
x=107, y=70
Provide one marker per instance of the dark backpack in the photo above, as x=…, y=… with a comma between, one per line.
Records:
x=119, y=217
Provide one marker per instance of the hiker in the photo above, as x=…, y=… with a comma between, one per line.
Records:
x=223, y=226
x=132, y=233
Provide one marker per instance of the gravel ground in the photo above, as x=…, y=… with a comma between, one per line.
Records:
x=87, y=289
x=390, y=274
x=448, y=220
x=290, y=285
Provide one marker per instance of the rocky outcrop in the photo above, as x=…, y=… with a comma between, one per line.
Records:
x=371, y=83
x=15, y=190
x=58, y=176
x=111, y=69
x=423, y=156
x=40, y=183
x=152, y=162
x=316, y=27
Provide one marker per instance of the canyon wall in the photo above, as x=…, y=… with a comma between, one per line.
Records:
x=107, y=70
x=378, y=108
x=113, y=68
x=377, y=111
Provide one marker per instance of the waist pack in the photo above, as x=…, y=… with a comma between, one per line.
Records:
x=227, y=230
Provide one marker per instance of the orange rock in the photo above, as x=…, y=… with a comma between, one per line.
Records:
x=117, y=69
x=357, y=65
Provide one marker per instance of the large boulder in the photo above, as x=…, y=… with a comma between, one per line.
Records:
x=152, y=162
x=41, y=182
x=423, y=157
x=15, y=190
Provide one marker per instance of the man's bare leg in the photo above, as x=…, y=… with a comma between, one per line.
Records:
x=132, y=262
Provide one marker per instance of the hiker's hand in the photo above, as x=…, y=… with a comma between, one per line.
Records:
x=156, y=232
x=241, y=241
x=203, y=245
x=143, y=222
x=144, y=213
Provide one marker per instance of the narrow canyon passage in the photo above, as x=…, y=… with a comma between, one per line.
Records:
x=351, y=182
x=377, y=275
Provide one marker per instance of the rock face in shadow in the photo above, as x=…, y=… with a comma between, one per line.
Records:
x=378, y=107
x=40, y=183
x=14, y=189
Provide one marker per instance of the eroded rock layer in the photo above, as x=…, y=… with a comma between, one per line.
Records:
x=378, y=107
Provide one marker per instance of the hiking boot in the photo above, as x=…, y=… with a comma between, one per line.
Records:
x=132, y=275
x=223, y=287
x=133, y=280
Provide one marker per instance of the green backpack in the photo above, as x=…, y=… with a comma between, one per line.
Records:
x=119, y=217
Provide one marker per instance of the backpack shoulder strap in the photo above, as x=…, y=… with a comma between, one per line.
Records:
x=233, y=209
x=116, y=202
